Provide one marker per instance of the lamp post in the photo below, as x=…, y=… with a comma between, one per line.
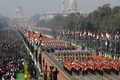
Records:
x=40, y=54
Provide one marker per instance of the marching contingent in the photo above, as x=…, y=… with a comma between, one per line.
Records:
x=72, y=54
x=76, y=60
x=92, y=65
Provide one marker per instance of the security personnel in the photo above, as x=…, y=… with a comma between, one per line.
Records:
x=83, y=70
x=51, y=76
x=55, y=74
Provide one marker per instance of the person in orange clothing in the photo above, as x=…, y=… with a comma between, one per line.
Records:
x=84, y=70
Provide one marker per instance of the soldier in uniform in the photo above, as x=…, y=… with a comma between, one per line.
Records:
x=101, y=69
x=84, y=70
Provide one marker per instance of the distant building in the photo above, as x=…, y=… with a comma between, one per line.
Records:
x=72, y=8
x=19, y=19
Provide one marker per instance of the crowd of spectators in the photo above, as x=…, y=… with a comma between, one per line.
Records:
x=11, y=58
x=12, y=55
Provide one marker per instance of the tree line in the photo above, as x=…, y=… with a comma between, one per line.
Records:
x=3, y=22
x=104, y=19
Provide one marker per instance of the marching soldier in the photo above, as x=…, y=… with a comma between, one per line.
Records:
x=83, y=71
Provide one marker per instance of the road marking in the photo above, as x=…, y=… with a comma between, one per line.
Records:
x=58, y=68
x=115, y=75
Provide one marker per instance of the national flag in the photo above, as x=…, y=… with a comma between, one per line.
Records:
x=29, y=35
x=89, y=33
x=80, y=33
x=36, y=41
x=76, y=32
x=93, y=34
x=107, y=35
x=97, y=36
x=102, y=35
x=84, y=33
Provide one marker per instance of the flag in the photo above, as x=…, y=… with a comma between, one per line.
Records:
x=84, y=33
x=93, y=34
x=102, y=35
x=107, y=35
x=29, y=35
x=97, y=36
x=37, y=41
x=89, y=33
x=80, y=33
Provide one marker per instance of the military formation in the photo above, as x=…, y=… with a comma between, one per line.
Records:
x=72, y=54
x=93, y=66
x=50, y=45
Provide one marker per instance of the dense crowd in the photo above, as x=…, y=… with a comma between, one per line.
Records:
x=11, y=60
x=12, y=55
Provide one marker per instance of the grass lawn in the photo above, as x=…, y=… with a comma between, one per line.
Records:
x=20, y=76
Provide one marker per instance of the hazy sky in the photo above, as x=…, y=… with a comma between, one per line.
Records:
x=32, y=7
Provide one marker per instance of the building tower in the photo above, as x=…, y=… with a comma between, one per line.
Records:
x=72, y=7
x=63, y=6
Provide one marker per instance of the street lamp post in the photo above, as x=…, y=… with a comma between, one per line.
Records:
x=40, y=54
x=40, y=59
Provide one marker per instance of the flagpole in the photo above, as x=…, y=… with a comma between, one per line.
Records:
x=40, y=55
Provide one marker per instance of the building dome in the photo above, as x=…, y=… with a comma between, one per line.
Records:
x=18, y=12
x=18, y=9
